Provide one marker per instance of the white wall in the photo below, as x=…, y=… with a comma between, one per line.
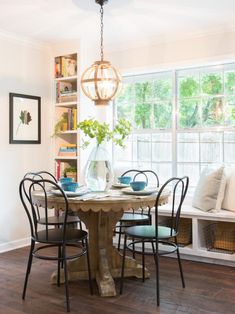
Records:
x=28, y=69
x=200, y=50
x=25, y=69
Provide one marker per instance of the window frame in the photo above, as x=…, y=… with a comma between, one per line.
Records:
x=175, y=129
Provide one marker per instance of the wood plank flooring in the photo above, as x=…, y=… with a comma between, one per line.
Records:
x=209, y=289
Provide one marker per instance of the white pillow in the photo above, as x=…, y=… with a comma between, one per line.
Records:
x=229, y=196
x=209, y=192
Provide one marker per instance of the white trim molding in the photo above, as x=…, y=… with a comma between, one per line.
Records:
x=9, y=246
x=26, y=41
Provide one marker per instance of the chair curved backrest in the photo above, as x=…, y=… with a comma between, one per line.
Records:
x=146, y=173
x=177, y=188
x=40, y=175
x=43, y=187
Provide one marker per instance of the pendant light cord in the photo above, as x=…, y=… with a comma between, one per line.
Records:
x=101, y=32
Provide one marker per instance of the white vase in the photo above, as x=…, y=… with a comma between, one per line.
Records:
x=99, y=173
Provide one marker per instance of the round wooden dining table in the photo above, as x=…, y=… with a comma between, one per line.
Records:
x=100, y=213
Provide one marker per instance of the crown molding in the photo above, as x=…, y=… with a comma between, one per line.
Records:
x=25, y=41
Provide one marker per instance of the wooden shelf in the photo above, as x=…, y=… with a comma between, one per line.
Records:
x=66, y=104
x=66, y=157
x=68, y=132
x=68, y=78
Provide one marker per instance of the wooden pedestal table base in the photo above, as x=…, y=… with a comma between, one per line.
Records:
x=100, y=216
x=105, y=258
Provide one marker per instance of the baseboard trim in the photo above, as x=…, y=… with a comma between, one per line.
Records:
x=9, y=246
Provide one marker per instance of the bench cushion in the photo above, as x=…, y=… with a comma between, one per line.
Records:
x=229, y=197
x=209, y=192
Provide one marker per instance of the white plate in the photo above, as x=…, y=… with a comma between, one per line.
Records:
x=146, y=191
x=79, y=192
x=120, y=185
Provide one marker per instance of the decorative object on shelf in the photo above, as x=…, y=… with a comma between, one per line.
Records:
x=99, y=173
x=25, y=119
x=66, y=122
x=101, y=81
x=70, y=172
x=61, y=125
x=65, y=66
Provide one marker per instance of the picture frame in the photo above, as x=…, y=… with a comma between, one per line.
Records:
x=25, y=119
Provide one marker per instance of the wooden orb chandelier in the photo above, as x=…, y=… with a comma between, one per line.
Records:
x=101, y=81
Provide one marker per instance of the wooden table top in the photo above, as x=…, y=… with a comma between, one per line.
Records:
x=112, y=200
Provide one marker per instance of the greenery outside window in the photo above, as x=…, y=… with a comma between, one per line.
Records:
x=182, y=120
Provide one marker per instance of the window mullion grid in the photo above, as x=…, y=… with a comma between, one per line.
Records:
x=199, y=151
x=223, y=144
x=152, y=126
x=224, y=111
x=174, y=122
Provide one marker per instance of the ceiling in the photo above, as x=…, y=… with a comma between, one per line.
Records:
x=126, y=21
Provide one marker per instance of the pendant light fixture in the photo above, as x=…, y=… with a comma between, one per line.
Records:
x=101, y=81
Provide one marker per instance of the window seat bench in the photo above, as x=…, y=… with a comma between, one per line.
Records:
x=203, y=226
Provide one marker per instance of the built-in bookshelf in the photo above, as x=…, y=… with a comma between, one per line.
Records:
x=66, y=155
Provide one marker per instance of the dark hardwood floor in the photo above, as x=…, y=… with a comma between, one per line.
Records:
x=209, y=289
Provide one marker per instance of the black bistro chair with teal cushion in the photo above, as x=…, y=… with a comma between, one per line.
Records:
x=142, y=215
x=43, y=240
x=56, y=219
x=157, y=234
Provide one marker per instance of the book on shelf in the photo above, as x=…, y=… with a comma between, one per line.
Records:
x=65, y=66
x=57, y=67
x=70, y=119
x=62, y=169
x=58, y=169
x=74, y=121
x=68, y=150
x=67, y=97
x=65, y=92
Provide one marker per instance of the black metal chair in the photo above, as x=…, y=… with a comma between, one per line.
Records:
x=51, y=236
x=56, y=219
x=158, y=234
x=142, y=215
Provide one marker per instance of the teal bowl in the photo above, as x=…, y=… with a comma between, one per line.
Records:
x=70, y=186
x=65, y=180
x=124, y=179
x=138, y=185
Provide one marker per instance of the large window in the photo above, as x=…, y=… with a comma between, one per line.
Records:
x=182, y=120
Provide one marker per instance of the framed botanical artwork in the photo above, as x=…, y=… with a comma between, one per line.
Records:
x=25, y=119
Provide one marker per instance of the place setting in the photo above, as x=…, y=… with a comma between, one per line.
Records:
x=70, y=188
x=138, y=188
x=74, y=190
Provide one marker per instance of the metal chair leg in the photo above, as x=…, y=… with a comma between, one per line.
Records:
x=180, y=265
x=143, y=262
x=58, y=266
x=66, y=278
x=154, y=254
x=30, y=259
x=119, y=236
x=89, y=267
x=133, y=248
x=80, y=227
x=156, y=258
x=123, y=264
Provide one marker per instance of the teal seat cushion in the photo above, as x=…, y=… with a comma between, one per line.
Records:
x=129, y=217
x=149, y=232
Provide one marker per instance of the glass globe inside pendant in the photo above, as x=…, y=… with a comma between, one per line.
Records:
x=101, y=82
